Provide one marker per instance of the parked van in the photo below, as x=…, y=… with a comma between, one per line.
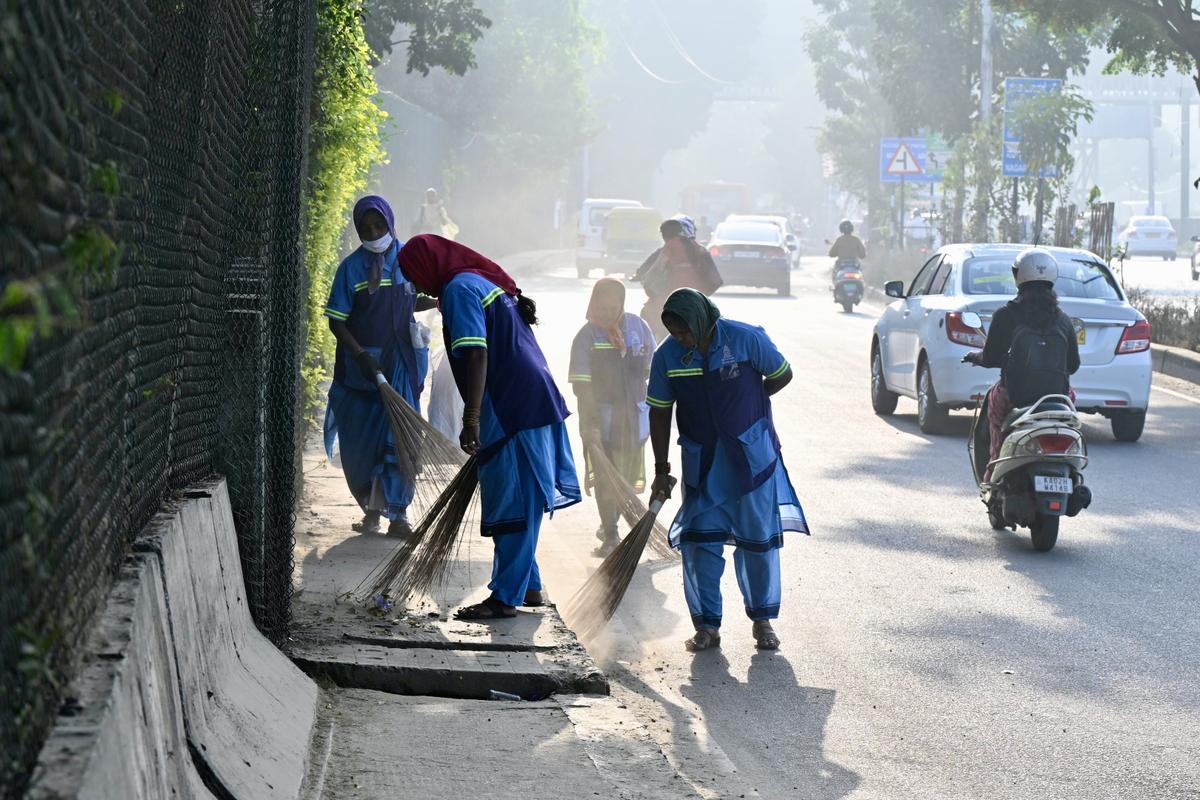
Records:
x=630, y=236
x=589, y=248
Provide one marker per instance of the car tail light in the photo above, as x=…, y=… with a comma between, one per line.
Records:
x=1057, y=443
x=1135, y=339
x=959, y=333
x=777, y=252
x=714, y=251
x=850, y=276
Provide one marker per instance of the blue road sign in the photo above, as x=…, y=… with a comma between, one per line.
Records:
x=1015, y=91
x=906, y=158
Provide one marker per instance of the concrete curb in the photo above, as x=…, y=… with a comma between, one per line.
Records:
x=1176, y=362
x=182, y=697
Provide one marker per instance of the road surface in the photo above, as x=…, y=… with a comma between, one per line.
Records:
x=924, y=655
x=1166, y=279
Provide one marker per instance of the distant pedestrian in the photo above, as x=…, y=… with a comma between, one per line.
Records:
x=610, y=362
x=513, y=413
x=719, y=375
x=433, y=218
x=370, y=311
x=680, y=262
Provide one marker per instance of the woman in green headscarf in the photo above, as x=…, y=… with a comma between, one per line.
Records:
x=720, y=375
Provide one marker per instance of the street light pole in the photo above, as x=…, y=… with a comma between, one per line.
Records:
x=985, y=59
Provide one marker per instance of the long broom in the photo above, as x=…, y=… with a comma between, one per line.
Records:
x=630, y=506
x=597, y=600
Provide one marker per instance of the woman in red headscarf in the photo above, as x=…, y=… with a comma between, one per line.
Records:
x=610, y=363
x=513, y=416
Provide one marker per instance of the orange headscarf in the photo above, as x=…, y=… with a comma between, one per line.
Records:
x=606, y=310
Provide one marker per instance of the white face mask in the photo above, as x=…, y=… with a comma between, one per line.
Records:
x=379, y=245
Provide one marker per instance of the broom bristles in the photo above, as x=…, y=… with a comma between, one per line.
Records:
x=591, y=608
x=630, y=506
x=422, y=561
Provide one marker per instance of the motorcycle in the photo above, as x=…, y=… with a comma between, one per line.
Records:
x=848, y=285
x=1037, y=478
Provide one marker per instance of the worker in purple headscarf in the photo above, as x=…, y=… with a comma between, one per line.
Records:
x=370, y=311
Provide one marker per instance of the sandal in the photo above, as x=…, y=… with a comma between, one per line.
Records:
x=765, y=637
x=535, y=598
x=705, y=639
x=368, y=524
x=488, y=609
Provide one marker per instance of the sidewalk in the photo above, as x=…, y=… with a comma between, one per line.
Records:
x=404, y=709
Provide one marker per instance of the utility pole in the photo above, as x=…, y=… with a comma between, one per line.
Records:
x=1150, y=205
x=1185, y=148
x=985, y=59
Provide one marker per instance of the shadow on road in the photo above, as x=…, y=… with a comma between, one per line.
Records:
x=771, y=726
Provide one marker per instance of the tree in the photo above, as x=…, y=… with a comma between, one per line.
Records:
x=1144, y=36
x=441, y=33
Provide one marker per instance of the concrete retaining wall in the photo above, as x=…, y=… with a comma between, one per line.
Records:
x=1176, y=362
x=181, y=696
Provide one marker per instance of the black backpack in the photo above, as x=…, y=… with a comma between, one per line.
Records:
x=1037, y=365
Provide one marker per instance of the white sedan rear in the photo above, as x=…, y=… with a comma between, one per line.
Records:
x=920, y=338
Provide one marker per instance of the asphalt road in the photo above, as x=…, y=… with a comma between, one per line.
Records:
x=924, y=655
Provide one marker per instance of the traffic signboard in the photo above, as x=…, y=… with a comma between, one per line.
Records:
x=1017, y=90
x=905, y=158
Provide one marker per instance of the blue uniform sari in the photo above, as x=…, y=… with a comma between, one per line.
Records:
x=736, y=488
x=526, y=468
x=355, y=419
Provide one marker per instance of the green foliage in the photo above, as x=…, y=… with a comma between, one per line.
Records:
x=1175, y=323
x=344, y=144
x=441, y=33
x=1047, y=125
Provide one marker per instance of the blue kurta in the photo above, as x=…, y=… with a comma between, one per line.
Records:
x=525, y=463
x=735, y=486
x=355, y=419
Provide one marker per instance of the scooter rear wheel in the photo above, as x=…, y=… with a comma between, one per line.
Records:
x=847, y=307
x=996, y=519
x=1044, y=532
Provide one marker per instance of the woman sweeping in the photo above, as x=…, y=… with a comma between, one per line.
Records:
x=720, y=375
x=681, y=262
x=370, y=312
x=513, y=414
x=610, y=361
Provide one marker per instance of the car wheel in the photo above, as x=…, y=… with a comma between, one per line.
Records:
x=931, y=416
x=785, y=286
x=1128, y=427
x=581, y=271
x=882, y=400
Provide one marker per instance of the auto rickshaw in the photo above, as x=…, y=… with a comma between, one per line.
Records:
x=630, y=235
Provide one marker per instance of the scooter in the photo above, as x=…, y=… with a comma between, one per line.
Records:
x=848, y=286
x=1037, y=478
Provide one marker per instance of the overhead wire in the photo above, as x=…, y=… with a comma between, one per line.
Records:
x=681, y=50
x=642, y=65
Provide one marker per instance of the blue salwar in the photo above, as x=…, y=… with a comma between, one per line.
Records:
x=526, y=467
x=736, y=488
x=356, y=422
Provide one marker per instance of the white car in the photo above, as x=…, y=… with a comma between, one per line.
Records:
x=1149, y=236
x=920, y=338
x=589, y=246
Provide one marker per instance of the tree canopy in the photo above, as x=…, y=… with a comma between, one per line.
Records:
x=440, y=33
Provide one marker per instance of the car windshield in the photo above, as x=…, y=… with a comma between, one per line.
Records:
x=1077, y=277
x=749, y=232
x=1150, y=222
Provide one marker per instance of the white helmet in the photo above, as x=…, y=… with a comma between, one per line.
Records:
x=1035, y=264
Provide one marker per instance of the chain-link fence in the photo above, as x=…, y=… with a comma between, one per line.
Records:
x=151, y=169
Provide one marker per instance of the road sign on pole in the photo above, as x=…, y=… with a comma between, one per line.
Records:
x=905, y=158
x=1016, y=91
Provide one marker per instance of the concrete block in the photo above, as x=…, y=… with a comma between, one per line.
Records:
x=121, y=734
x=248, y=711
x=1177, y=362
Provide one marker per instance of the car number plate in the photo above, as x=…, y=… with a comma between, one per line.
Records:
x=1052, y=485
x=746, y=254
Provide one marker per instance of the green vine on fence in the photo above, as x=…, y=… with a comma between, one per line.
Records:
x=344, y=144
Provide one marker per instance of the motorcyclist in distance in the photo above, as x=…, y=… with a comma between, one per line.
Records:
x=847, y=246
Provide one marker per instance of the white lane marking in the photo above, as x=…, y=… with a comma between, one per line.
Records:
x=1174, y=393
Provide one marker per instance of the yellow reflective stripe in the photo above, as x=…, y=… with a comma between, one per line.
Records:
x=358, y=287
x=685, y=373
x=782, y=369
x=468, y=341
x=491, y=296
x=654, y=401
x=333, y=312
x=602, y=346
x=579, y=379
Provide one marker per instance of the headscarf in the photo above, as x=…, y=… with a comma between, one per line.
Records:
x=685, y=222
x=606, y=310
x=698, y=313
x=431, y=261
x=374, y=202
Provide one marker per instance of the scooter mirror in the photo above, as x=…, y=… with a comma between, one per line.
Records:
x=971, y=319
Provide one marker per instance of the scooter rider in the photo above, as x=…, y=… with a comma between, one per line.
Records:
x=1031, y=340
x=847, y=246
